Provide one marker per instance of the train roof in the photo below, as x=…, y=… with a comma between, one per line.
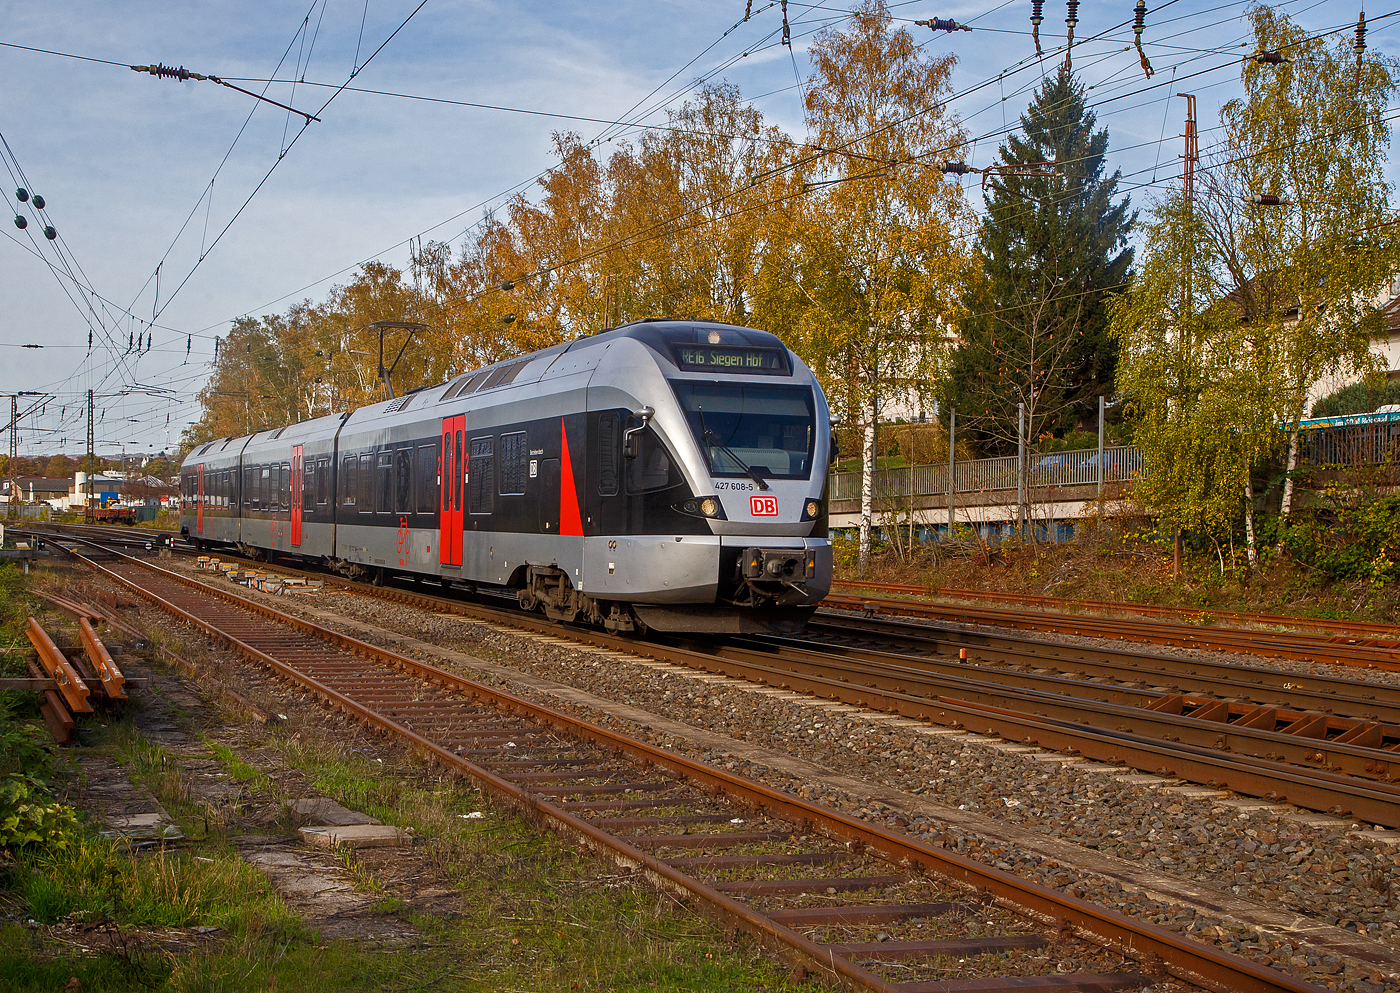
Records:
x=660, y=335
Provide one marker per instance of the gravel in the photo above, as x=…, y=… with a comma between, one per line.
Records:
x=1323, y=873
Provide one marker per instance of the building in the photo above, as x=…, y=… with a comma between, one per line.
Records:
x=38, y=489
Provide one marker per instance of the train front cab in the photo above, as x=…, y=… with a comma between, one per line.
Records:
x=687, y=535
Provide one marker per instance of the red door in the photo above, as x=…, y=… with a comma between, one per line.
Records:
x=296, y=494
x=199, y=500
x=451, y=469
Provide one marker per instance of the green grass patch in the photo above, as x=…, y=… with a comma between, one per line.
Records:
x=87, y=878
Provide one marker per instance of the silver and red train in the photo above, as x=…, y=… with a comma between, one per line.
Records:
x=668, y=475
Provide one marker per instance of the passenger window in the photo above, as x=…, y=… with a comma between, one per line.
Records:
x=428, y=485
x=308, y=489
x=347, y=485
x=384, y=479
x=514, y=463
x=483, y=475
x=609, y=452
x=323, y=473
x=403, y=481
x=366, y=487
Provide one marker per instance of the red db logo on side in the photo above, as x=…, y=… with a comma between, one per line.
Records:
x=763, y=506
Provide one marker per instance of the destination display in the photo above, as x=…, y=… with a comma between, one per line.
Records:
x=732, y=358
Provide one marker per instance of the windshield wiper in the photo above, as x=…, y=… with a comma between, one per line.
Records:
x=712, y=441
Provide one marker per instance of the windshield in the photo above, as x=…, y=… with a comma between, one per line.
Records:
x=745, y=429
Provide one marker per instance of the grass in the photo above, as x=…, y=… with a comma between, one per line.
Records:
x=523, y=909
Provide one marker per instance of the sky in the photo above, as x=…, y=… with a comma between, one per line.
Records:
x=182, y=205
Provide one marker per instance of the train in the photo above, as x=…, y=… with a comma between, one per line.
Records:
x=665, y=475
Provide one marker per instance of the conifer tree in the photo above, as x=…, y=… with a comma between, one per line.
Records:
x=1052, y=251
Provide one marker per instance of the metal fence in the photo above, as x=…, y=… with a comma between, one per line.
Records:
x=1074, y=468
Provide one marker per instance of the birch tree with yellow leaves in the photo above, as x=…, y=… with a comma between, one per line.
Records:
x=884, y=240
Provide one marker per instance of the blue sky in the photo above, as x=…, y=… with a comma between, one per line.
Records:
x=126, y=160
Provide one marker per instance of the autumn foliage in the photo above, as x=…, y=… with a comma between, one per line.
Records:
x=851, y=246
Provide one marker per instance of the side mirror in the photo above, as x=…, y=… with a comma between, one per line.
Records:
x=631, y=447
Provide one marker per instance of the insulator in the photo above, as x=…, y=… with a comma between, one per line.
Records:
x=1072, y=17
x=49, y=232
x=787, y=32
x=955, y=168
x=508, y=285
x=508, y=319
x=1266, y=200
x=38, y=202
x=21, y=222
x=22, y=195
x=130, y=341
x=943, y=24
x=1036, y=19
x=1359, y=45
x=1274, y=58
x=1139, y=23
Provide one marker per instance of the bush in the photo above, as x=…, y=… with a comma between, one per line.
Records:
x=1362, y=543
x=1358, y=398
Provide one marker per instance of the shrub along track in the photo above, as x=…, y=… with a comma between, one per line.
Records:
x=643, y=806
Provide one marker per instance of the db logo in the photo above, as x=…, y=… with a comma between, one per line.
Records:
x=763, y=506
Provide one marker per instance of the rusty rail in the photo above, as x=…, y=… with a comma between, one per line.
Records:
x=1184, y=958
x=112, y=679
x=1365, y=653
x=1379, y=631
x=74, y=691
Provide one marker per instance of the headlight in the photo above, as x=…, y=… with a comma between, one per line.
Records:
x=813, y=508
x=708, y=507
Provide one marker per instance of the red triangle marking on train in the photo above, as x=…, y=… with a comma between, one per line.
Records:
x=570, y=521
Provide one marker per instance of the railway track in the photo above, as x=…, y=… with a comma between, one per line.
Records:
x=1364, y=652
x=1321, y=743
x=1360, y=630
x=776, y=865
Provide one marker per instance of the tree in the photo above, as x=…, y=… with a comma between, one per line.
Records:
x=1051, y=253
x=1178, y=373
x=1302, y=273
x=1245, y=303
x=882, y=251
x=58, y=467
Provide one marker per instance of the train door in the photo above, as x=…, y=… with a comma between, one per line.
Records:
x=451, y=470
x=549, y=495
x=297, y=494
x=199, y=499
